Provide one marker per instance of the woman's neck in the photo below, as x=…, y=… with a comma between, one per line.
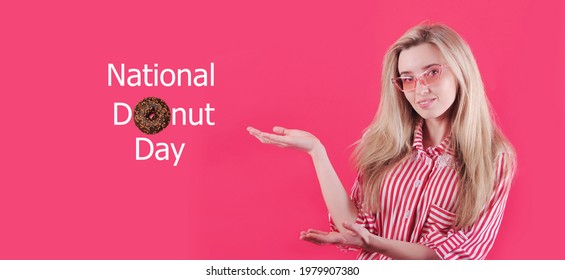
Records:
x=435, y=130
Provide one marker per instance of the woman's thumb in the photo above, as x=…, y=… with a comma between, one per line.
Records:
x=279, y=130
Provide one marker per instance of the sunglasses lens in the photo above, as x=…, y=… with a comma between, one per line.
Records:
x=432, y=75
x=405, y=83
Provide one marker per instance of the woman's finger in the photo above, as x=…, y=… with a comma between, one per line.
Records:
x=274, y=137
x=352, y=228
x=260, y=136
x=263, y=140
x=314, y=239
x=280, y=130
x=310, y=240
x=327, y=238
x=318, y=231
x=274, y=142
x=253, y=130
x=277, y=129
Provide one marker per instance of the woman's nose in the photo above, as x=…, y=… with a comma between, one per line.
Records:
x=421, y=87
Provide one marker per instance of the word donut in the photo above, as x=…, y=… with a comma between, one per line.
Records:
x=152, y=115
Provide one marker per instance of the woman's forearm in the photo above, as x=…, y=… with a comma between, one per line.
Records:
x=337, y=201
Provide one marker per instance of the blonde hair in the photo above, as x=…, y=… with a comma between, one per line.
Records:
x=475, y=137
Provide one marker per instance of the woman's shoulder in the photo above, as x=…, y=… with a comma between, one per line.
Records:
x=503, y=149
x=505, y=152
x=506, y=163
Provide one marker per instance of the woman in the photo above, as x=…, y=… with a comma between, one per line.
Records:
x=434, y=170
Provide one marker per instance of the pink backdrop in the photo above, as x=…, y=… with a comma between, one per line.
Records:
x=70, y=187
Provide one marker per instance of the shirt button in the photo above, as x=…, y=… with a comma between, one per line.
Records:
x=407, y=214
x=417, y=183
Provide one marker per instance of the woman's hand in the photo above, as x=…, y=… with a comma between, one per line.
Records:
x=339, y=205
x=289, y=138
x=354, y=236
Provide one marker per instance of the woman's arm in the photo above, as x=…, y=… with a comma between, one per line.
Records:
x=355, y=235
x=340, y=206
x=337, y=201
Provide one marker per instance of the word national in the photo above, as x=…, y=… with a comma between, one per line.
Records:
x=152, y=77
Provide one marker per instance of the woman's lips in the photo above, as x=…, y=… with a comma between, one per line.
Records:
x=425, y=103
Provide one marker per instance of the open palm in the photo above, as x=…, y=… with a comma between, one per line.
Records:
x=354, y=236
x=287, y=138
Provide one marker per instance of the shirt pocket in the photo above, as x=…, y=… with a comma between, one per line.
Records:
x=438, y=232
x=439, y=220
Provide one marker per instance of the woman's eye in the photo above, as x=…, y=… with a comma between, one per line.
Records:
x=433, y=72
x=407, y=79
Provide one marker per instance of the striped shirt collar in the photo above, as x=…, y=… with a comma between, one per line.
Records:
x=443, y=147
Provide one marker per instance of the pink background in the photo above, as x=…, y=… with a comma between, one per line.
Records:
x=70, y=187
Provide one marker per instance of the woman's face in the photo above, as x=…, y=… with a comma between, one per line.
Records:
x=434, y=100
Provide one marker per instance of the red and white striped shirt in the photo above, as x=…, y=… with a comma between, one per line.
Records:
x=418, y=200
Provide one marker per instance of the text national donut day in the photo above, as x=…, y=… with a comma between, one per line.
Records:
x=151, y=114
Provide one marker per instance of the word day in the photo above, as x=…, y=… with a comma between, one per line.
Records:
x=161, y=150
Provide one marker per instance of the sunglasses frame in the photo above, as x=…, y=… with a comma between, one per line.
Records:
x=419, y=78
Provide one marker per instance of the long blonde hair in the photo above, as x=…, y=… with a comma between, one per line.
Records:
x=475, y=137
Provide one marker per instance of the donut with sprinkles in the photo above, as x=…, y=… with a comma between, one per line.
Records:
x=152, y=115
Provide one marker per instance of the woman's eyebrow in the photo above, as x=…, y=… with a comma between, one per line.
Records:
x=423, y=68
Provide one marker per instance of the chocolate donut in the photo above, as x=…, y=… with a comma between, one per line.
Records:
x=152, y=115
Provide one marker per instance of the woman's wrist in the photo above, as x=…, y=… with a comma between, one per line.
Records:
x=318, y=150
x=372, y=244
